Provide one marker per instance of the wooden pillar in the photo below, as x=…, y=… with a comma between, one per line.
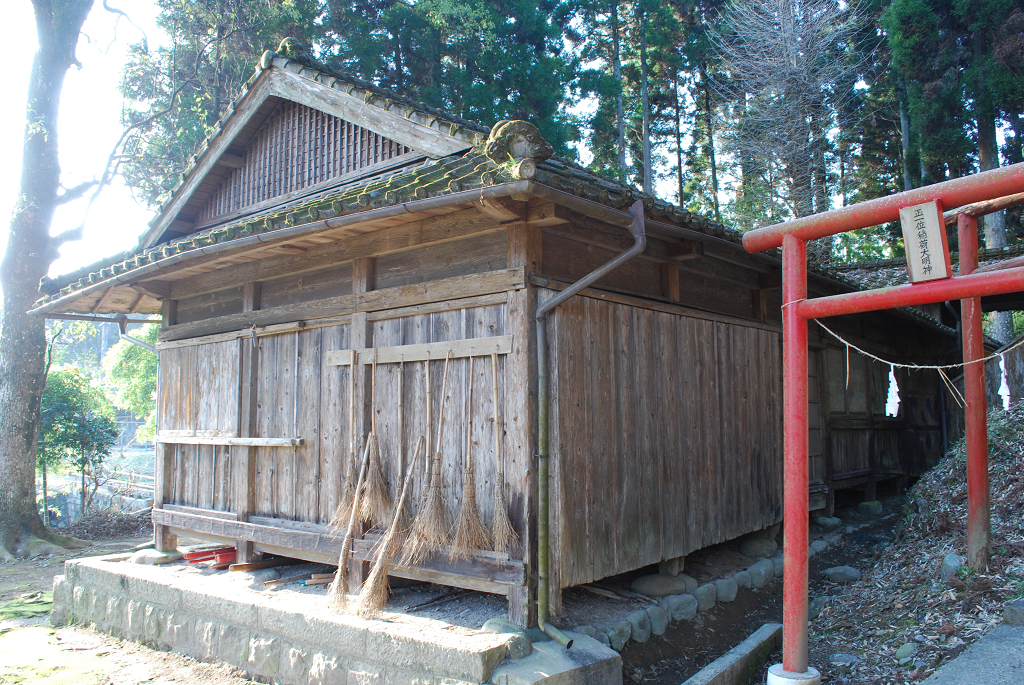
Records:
x=670, y=281
x=361, y=335
x=244, y=472
x=163, y=539
x=520, y=420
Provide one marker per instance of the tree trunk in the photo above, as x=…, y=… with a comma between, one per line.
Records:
x=645, y=103
x=81, y=509
x=30, y=251
x=1000, y=323
x=908, y=182
x=46, y=499
x=711, y=140
x=679, y=142
x=620, y=122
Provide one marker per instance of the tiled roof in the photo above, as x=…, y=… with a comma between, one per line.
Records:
x=883, y=273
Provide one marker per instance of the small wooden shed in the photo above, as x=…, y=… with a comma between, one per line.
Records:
x=333, y=242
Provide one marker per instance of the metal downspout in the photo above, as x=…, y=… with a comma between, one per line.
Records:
x=543, y=409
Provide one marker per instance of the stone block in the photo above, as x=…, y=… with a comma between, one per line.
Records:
x=295, y=664
x=366, y=674
x=639, y=626
x=327, y=669
x=178, y=634
x=153, y=557
x=680, y=607
x=662, y=584
x=155, y=622
x=658, y=618
x=951, y=563
x=341, y=634
x=61, y=590
x=602, y=637
x=519, y=646
x=204, y=601
x=233, y=643
x=265, y=655
x=135, y=614
x=113, y=613
x=759, y=547
x=446, y=654
x=204, y=641
x=705, y=596
x=726, y=589
x=501, y=625
x=1013, y=613
x=618, y=634
x=873, y=508
x=154, y=592
x=761, y=572
x=587, y=663
x=742, y=579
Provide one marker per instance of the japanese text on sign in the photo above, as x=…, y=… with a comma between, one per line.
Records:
x=924, y=238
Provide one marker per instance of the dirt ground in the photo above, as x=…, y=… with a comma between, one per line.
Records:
x=32, y=651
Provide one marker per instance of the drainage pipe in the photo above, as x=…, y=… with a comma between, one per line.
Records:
x=639, y=234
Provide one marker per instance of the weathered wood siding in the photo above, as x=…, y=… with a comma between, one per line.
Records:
x=666, y=435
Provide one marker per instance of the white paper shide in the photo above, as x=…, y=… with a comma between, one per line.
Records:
x=924, y=240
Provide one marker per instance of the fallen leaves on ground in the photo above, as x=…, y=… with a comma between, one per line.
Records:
x=902, y=599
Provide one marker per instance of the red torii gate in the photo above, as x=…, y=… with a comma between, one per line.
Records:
x=969, y=287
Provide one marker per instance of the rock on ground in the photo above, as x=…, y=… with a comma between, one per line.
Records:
x=154, y=557
x=658, y=619
x=705, y=596
x=761, y=572
x=828, y=522
x=842, y=574
x=725, y=589
x=618, y=634
x=1013, y=613
x=873, y=508
x=951, y=563
x=742, y=579
x=759, y=547
x=662, y=584
x=639, y=626
x=680, y=607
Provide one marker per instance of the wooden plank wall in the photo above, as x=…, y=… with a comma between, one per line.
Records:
x=199, y=396
x=666, y=435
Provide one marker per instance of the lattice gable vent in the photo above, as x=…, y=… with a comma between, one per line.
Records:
x=296, y=148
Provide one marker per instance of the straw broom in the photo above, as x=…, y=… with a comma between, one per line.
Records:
x=503, y=532
x=337, y=595
x=470, y=533
x=375, y=592
x=348, y=492
x=430, y=529
x=376, y=505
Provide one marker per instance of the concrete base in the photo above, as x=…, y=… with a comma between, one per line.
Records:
x=777, y=675
x=995, y=659
x=294, y=639
x=740, y=665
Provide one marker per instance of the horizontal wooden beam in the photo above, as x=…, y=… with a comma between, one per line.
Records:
x=375, y=300
x=485, y=571
x=471, y=347
x=248, y=442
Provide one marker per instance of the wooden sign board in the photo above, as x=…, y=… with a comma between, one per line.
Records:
x=924, y=237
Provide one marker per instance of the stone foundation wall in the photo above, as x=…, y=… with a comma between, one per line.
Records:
x=266, y=637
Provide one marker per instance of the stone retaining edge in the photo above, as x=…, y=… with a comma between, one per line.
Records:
x=740, y=665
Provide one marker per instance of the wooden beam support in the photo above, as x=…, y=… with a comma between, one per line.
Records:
x=670, y=282
x=547, y=214
x=231, y=161
x=470, y=347
x=501, y=280
x=171, y=439
x=685, y=250
x=503, y=209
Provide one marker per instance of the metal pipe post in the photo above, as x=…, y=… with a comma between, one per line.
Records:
x=794, y=390
x=978, y=525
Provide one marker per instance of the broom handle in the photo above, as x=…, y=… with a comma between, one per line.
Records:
x=401, y=417
x=497, y=419
x=373, y=395
x=352, y=409
x=469, y=419
x=444, y=392
x=426, y=461
x=346, y=544
x=401, y=502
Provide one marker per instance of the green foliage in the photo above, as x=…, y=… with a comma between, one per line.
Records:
x=131, y=370
x=78, y=425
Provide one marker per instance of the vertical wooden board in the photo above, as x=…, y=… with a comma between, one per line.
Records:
x=673, y=501
x=650, y=454
x=307, y=426
x=204, y=476
x=273, y=417
x=415, y=330
x=627, y=438
x=602, y=390
x=335, y=428
x=223, y=476
x=485, y=322
x=518, y=419
x=570, y=448
x=447, y=326
x=387, y=333
x=708, y=385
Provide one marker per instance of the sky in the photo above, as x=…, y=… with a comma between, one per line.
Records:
x=89, y=125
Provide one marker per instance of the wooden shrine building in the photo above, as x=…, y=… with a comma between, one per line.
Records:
x=332, y=242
